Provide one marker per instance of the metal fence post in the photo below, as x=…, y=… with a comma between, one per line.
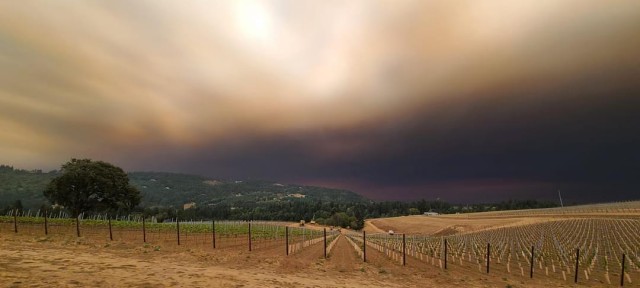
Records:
x=249, y=236
x=15, y=221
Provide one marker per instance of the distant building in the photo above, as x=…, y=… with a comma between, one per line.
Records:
x=430, y=213
x=189, y=205
x=212, y=182
x=297, y=195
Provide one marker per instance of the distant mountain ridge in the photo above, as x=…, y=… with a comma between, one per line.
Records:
x=163, y=189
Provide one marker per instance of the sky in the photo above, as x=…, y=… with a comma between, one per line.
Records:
x=466, y=101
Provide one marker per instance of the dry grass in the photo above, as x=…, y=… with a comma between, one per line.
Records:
x=442, y=225
x=445, y=225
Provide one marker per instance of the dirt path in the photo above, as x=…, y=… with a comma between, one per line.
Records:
x=343, y=257
x=370, y=227
x=444, y=224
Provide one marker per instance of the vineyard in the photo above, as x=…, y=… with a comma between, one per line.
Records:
x=598, y=246
x=585, y=250
x=616, y=209
x=249, y=235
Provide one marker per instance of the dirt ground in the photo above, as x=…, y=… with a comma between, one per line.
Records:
x=63, y=261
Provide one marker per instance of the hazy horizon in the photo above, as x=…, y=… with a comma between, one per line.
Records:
x=398, y=100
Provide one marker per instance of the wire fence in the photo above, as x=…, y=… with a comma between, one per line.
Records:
x=211, y=234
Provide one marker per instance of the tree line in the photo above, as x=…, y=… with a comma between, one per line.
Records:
x=331, y=213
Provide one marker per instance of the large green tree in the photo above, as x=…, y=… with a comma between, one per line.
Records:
x=87, y=185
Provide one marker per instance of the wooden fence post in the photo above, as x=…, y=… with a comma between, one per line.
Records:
x=15, y=221
x=144, y=231
x=46, y=228
x=404, y=252
x=622, y=273
x=575, y=279
x=364, y=246
x=445, y=253
x=213, y=225
x=178, y=229
x=488, y=253
x=324, y=232
x=78, y=225
x=286, y=238
x=531, y=269
x=249, y=236
x=110, y=231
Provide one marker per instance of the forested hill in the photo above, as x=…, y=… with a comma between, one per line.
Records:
x=23, y=185
x=170, y=189
x=175, y=190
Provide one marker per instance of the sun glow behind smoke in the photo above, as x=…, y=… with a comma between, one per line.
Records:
x=254, y=22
